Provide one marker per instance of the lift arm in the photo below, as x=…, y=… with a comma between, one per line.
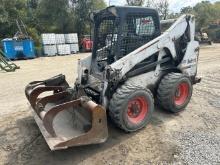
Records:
x=166, y=40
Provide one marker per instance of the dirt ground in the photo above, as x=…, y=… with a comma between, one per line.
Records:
x=191, y=137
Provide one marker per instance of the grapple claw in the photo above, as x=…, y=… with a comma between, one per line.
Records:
x=63, y=121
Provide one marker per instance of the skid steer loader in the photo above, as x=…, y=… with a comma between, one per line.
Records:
x=132, y=63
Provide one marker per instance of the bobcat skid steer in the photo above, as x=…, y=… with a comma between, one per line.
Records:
x=132, y=64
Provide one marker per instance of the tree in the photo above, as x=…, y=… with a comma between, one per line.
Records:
x=135, y=2
x=204, y=14
x=53, y=16
x=186, y=10
x=32, y=3
x=9, y=12
x=162, y=7
x=82, y=9
x=42, y=16
x=173, y=15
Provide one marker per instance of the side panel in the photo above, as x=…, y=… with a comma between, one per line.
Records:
x=145, y=80
x=190, y=60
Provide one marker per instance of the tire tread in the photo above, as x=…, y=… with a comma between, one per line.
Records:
x=117, y=101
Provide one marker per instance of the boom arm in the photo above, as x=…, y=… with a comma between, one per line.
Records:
x=166, y=40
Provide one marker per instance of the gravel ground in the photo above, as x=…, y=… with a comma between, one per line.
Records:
x=190, y=137
x=199, y=147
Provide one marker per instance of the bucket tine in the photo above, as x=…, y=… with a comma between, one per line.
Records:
x=29, y=88
x=56, y=84
x=41, y=103
x=38, y=90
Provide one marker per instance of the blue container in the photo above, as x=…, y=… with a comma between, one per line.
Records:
x=28, y=48
x=9, y=49
x=18, y=46
x=18, y=49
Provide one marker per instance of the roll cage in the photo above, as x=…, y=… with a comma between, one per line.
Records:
x=119, y=31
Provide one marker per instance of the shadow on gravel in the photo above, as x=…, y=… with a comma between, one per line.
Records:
x=32, y=148
x=161, y=116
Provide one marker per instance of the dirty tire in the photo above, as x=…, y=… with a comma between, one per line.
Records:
x=174, y=92
x=131, y=107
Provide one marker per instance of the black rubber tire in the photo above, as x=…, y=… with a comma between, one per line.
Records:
x=119, y=103
x=166, y=92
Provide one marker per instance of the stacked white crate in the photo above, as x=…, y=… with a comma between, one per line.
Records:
x=60, y=38
x=74, y=48
x=50, y=50
x=62, y=47
x=49, y=44
x=48, y=39
x=61, y=44
x=72, y=40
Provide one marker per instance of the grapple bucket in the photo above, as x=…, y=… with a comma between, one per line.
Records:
x=65, y=122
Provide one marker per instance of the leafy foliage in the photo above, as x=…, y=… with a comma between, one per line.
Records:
x=45, y=16
x=64, y=16
x=162, y=7
x=206, y=14
x=9, y=12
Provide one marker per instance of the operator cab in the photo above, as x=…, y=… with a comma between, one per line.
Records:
x=120, y=30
